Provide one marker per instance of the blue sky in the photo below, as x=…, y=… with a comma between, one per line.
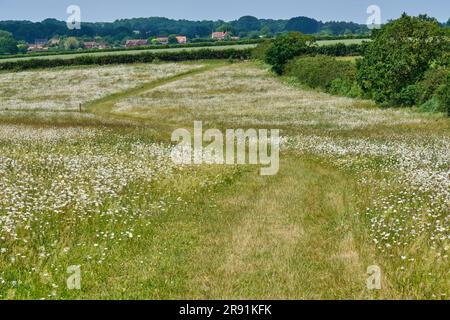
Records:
x=109, y=10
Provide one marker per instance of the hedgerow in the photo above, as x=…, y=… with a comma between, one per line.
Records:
x=326, y=73
x=146, y=57
x=286, y=47
x=212, y=43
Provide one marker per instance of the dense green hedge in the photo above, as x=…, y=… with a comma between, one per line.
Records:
x=334, y=50
x=432, y=94
x=146, y=57
x=326, y=73
x=285, y=47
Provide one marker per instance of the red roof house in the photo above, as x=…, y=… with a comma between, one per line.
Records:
x=182, y=39
x=219, y=35
x=136, y=43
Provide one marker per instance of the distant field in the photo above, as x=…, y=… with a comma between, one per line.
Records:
x=349, y=58
x=345, y=41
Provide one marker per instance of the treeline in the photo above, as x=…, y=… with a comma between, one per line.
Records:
x=406, y=64
x=247, y=26
x=145, y=57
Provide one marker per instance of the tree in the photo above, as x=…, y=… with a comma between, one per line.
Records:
x=22, y=47
x=71, y=43
x=286, y=47
x=8, y=45
x=265, y=31
x=173, y=39
x=253, y=35
x=225, y=27
x=119, y=30
x=247, y=24
x=397, y=58
x=303, y=24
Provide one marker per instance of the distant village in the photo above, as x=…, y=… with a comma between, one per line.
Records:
x=41, y=45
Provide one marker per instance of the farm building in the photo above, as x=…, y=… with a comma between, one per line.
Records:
x=162, y=40
x=219, y=35
x=94, y=45
x=182, y=39
x=37, y=48
x=136, y=43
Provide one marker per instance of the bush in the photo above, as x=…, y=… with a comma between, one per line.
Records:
x=286, y=47
x=71, y=43
x=432, y=105
x=147, y=57
x=339, y=50
x=278, y=52
x=443, y=97
x=432, y=80
x=345, y=87
x=324, y=72
x=260, y=51
x=407, y=97
x=433, y=92
x=397, y=58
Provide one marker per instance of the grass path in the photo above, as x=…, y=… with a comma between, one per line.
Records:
x=286, y=236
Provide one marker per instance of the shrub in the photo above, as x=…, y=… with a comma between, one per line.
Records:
x=443, y=96
x=433, y=92
x=345, y=87
x=71, y=43
x=324, y=72
x=334, y=50
x=260, y=51
x=432, y=105
x=286, y=47
x=407, y=96
x=432, y=80
x=397, y=58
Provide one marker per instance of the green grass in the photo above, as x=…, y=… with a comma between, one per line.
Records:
x=351, y=59
x=344, y=41
x=216, y=232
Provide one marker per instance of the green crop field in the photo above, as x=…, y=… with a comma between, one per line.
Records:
x=357, y=186
x=344, y=41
